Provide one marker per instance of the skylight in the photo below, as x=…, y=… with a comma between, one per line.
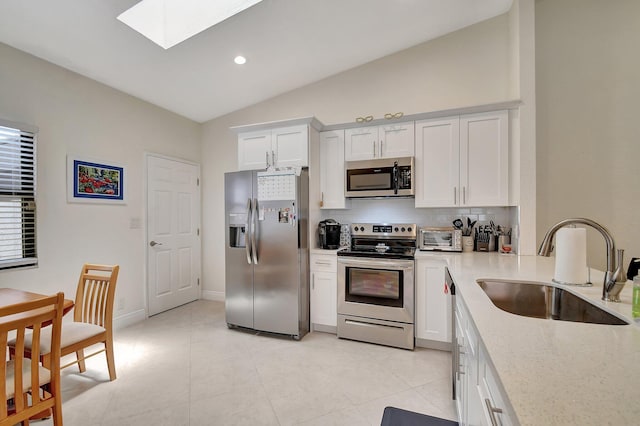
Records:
x=169, y=22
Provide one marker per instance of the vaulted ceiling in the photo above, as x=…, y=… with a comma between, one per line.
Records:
x=287, y=43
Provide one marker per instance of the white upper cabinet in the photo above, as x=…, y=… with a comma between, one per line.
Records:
x=290, y=146
x=332, y=170
x=437, y=162
x=361, y=143
x=396, y=140
x=279, y=147
x=484, y=159
x=387, y=141
x=254, y=149
x=463, y=161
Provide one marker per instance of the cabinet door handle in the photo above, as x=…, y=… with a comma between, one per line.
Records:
x=380, y=148
x=464, y=195
x=322, y=199
x=266, y=155
x=313, y=282
x=323, y=263
x=492, y=412
x=273, y=158
x=374, y=149
x=455, y=195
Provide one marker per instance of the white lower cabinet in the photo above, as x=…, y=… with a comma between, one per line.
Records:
x=493, y=400
x=460, y=368
x=433, y=305
x=479, y=398
x=324, y=292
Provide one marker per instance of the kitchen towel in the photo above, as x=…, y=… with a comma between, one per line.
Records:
x=571, y=256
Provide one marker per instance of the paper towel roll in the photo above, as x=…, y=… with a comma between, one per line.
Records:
x=571, y=256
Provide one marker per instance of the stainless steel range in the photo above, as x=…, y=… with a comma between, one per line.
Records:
x=376, y=284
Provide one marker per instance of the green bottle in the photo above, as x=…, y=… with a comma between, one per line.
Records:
x=635, y=301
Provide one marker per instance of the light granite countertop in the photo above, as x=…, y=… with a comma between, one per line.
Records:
x=553, y=372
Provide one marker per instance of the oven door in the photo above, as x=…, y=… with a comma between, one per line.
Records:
x=376, y=288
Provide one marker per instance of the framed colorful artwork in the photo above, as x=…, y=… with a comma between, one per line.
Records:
x=91, y=181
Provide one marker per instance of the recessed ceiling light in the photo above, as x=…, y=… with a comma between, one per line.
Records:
x=169, y=22
x=240, y=60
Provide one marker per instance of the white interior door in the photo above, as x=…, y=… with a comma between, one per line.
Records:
x=173, y=233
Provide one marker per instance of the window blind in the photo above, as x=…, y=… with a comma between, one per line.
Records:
x=17, y=197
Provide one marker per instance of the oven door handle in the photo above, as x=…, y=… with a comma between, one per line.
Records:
x=376, y=263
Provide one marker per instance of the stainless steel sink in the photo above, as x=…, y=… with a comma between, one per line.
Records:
x=539, y=300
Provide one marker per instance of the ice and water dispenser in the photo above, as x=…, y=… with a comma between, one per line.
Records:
x=237, y=229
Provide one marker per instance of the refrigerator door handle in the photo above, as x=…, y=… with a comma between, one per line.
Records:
x=247, y=240
x=254, y=231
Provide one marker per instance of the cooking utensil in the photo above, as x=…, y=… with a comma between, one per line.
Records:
x=467, y=231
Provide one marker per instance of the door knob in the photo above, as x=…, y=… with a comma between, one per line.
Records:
x=153, y=244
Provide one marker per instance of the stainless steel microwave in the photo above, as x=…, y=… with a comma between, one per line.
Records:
x=440, y=239
x=384, y=177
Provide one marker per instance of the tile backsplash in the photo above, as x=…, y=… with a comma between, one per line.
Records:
x=403, y=210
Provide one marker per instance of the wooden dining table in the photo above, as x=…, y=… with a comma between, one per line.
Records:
x=11, y=296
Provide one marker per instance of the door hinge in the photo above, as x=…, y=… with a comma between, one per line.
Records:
x=198, y=232
x=197, y=181
x=198, y=282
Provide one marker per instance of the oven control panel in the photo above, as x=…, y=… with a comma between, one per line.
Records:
x=384, y=229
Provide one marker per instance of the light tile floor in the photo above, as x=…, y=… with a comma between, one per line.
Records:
x=185, y=367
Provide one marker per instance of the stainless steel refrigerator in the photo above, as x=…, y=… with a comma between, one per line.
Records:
x=267, y=251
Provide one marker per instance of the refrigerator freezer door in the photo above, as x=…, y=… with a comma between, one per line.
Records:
x=277, y=274
x=239, y=272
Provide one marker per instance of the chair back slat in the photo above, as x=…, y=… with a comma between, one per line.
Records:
x=14, y=321
x=95, y=294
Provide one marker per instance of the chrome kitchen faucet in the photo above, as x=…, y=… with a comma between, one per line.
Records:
x=614, y=278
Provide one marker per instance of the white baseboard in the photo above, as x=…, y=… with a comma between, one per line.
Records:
x=128, y=319
x=433, y=344
x=213, y=295
x=324, y=328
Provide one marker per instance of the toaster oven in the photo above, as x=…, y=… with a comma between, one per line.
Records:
x=440, y=239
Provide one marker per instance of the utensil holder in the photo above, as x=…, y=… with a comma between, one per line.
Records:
x=467, y=243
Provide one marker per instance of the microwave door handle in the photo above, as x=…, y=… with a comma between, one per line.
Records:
x=395, y=177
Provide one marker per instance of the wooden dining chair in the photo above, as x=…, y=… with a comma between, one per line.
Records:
x=92, y=319
x=32, y=387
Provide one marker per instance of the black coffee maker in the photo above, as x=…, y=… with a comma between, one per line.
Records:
x=329, y=234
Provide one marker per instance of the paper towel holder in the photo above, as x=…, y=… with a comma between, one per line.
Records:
x=585, y=284
x=612, y=276
x=577, y=277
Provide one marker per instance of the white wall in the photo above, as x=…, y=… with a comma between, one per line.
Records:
x=588, y=87
x=79, y=116
x=465, y=68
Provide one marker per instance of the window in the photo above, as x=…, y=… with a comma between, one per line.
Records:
x=17, y=195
